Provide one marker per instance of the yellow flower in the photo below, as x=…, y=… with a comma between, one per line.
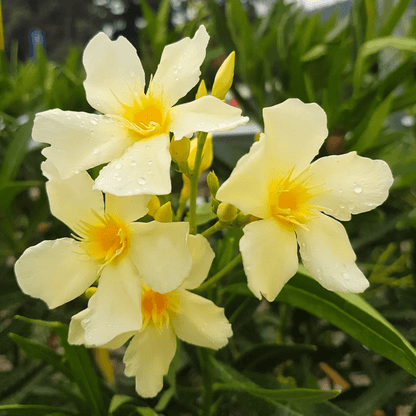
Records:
x=164, y=317
x=133, y=135
x=108, y=245
x=295, y=201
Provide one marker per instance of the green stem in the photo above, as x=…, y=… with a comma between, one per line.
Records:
x=213, y=229
x=201, y=137
x=233, y=263
x=203, y=357
x=181, y=208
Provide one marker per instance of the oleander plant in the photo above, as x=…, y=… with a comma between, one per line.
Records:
x=176, y=229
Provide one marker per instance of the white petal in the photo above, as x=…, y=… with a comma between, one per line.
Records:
x=200, y=322
x=114, y=73
x=295, y=132
x=55, y=271
x=115, y=308
x=270, y=258
x=327, y=255
x=73, y=200
x=148, y=358
x=178, y=70
x=357, y=184
x=143, y=169
x=127, y=208
x=160, y=253
x=49, y=170
x=205, y=114
x=79, y=141
x=202, y=256
x=247, y=186
x=76, y=335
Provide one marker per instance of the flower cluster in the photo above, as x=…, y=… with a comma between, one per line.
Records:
x=139, y=272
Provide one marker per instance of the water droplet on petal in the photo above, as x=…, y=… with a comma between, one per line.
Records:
x=132, y=74
x=78, y=116
x=119, y=179
x=96, y=151
x=357, y=189
x=133, y=163
x=76, y=171
x=141, y=181
x=118, y=166
x=150, y=162
x=94, y=122
x=345, y=275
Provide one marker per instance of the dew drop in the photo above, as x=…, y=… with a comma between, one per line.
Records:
x=132, y=74
x=118, y=166
x=141, y=181
x=96, y=151
x=78, y=116
x=351, y=207
x=342, y=206
x=147, y=147
x=133, y=163
x=345, y=275
x=357, y=189
x=76, y=171
x=119, y=179
x=94, y=122
x=340, y=191
x=149, y=162
x=318, y=270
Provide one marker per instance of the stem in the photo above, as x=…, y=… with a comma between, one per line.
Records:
x=233, y=263
x=203, y=357
x=213, y=229
x=181, y=208
x=1, y=31
x=201, y=137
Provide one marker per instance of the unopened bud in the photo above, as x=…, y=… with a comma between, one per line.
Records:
x=153, y=205
x=226, y=212
x=202, y=90
x=207, y=154
x=213, y=183
x=179, y=150
x=164, y=213
x=90, y=291
x=224, y=77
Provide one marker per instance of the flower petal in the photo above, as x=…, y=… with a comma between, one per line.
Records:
x=148, y=358
x=143, y=169
x=178, y=70
x=270, y=258
x=73, y=200
x=327, y=255
x=127, y=208
x=202, y=256
x=205, y=114
x=247, y=186
x=55, y=271
x=114, y=73
x=79, y=141
x=294, y=131
x=76, y=335
x=357, y=184
x=200, y=322
x=160, y=253
x=115, y=307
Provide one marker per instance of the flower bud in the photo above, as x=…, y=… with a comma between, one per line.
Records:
x=202, y=90
x=213, y=183
x=153, y=205
x=226, y=212
x=179, y=150
x=224, y=77
x=90, y=291
x=164, y=213
x=207, y=154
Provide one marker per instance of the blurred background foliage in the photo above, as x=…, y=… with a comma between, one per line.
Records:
x=358, y=61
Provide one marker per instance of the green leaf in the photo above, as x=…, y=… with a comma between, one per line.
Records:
x=393, y=18
x=16, y=152
x=146, y=411
x=118, y=401
x=32, y=410
x=235, y=381
x=38, y=351
x=370, y=8
x=352, y=314
x=370, y=135
x=316, y=52
x=80, y=364
x=9, y=190
x=374, y=46
x=204, y=213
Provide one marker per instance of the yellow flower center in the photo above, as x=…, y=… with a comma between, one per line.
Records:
x=157, y=308
x=107, y=240
x=288, y=199
x=148, y=116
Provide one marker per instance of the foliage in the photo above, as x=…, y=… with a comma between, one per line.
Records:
x=361, y=69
